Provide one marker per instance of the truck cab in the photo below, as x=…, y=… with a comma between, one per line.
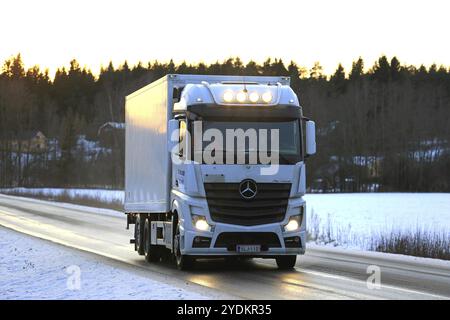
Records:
x=228, y=169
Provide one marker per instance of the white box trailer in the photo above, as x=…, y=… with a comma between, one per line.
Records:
x=171, y=204
x=147, y=160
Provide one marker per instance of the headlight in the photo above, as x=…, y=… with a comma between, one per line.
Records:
x=254, y=97
x=228, y=96
x=200, y=223
x=267, y=97
x=294, y=223
x=241, y=96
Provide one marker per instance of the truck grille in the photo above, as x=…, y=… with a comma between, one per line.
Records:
x=226, y=204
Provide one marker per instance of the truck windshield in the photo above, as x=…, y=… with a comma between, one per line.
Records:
x=239, y=139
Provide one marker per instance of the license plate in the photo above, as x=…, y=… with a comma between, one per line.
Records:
x=248, y=248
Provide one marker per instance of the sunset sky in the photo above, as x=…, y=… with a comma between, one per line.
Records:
x=51, y=33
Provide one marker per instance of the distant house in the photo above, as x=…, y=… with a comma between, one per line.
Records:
x=28, y=142
x=111, y=133
x=110, y=126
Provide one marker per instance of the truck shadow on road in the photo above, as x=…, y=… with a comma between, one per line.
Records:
x=220, y=265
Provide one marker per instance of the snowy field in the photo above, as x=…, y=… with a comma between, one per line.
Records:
x=32, y=268
x=365, y=211
x=354, y=219
x=346, y=219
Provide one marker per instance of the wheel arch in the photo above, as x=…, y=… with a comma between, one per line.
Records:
x=175, y=209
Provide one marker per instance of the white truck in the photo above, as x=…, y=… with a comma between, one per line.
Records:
x=191, y=197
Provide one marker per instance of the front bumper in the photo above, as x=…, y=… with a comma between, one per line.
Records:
x=214, y=248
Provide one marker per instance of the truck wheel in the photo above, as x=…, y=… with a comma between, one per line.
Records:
x=184, y=262
x=139, y=235
x=152, y=252
x=286, y=262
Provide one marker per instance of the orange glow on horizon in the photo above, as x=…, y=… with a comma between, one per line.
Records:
x=51, y=33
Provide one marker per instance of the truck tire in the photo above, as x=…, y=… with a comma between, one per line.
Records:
x=286, y=262
x=152, y=252
x=139, y=234
x=183, y=262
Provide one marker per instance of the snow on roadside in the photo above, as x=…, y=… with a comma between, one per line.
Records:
x=102, y=195
x=94, y=210
x=366, y=211
x=356, y=218
x=401, y=258
x=32, y=268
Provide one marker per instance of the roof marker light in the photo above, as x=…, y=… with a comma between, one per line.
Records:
x=241, y=96
x=228, y=96
x=267, y=97
x=254, y=97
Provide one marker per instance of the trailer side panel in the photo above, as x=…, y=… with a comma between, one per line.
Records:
x=147, y=166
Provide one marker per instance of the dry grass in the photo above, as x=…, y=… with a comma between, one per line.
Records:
x=419, y=243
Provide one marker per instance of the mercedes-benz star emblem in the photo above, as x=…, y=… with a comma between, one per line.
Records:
x=248, y=189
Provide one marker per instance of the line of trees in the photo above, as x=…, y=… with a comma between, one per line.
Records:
x=384, y=129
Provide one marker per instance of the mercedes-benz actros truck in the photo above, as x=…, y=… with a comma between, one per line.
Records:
x=215, y=167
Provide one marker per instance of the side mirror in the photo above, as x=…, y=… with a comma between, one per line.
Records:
x=310, y=138
x=173, y=135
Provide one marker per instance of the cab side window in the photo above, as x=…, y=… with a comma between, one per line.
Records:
x=182, y=139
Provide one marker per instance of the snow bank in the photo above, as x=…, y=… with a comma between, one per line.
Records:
x=95, y=194
x=368, y=211
x=356, y=218
x=32, y=268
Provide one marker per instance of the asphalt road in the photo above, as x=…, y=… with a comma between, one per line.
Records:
x=323, y=273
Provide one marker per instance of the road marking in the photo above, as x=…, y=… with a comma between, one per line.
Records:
x=336, y=277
